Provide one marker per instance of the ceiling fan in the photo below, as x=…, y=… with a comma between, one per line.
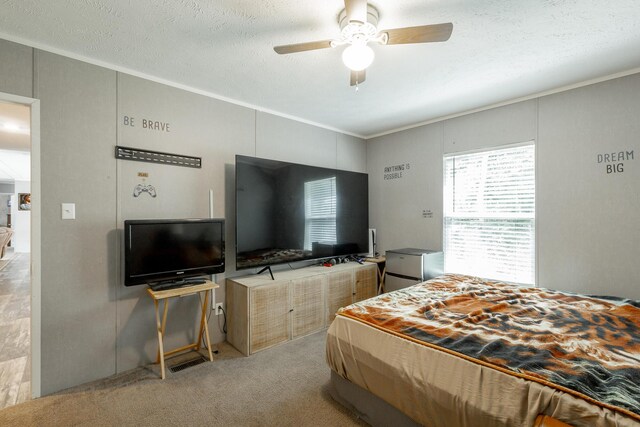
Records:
x=358, y=21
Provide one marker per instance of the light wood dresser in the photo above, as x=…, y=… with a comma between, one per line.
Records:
x=264, y=312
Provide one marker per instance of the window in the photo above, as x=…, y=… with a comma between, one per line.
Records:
x=320, y=212
x=489, y=214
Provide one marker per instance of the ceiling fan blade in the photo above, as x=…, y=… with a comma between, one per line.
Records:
x=357, y=77
x=356, y=10
x=420, y=34
x=301, y=47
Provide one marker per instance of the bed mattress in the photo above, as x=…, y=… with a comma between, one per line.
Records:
x=386, y=346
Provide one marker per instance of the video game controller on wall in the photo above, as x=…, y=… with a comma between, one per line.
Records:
x=150, y=189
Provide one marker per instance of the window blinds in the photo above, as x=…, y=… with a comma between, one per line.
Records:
x=489, y=214
x=320, y=212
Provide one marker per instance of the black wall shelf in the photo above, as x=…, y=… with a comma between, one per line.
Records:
x=138, y=155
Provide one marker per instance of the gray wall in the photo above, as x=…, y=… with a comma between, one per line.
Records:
x=7, y=188
x=77, y=119
x=586, y=221
x=92, y=326
x=16, y=69
x=588, y=226
x=199, y=126
x=396, y=205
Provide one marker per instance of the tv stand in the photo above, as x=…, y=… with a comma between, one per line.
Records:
x=267, y=268
x=262, y=313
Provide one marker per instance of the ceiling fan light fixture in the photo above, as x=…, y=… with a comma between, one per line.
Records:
x=358, y=28
x=357, y=56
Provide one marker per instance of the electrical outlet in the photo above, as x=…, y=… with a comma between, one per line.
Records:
x=219, y=308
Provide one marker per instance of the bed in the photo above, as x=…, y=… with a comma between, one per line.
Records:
x=463, y=351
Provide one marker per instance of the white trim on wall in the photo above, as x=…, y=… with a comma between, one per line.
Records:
x=490, y=148
x=36, y=253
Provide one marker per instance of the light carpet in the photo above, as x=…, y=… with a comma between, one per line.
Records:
x=283, y=386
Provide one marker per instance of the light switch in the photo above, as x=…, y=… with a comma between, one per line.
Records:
x=68, y=211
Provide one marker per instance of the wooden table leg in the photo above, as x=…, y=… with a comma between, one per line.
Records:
x=204, y=327
x=202, y=318
x=381, y=274
x=163, y=325
x=160, y=326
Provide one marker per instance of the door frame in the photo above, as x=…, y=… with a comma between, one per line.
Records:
x=36, y=250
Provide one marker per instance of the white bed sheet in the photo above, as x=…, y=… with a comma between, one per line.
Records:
x=435, y=388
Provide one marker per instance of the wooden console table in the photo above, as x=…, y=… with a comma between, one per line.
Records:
x=166, y=295
x=263, y=313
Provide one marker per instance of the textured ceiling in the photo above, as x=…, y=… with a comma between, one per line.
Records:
x=500, y=50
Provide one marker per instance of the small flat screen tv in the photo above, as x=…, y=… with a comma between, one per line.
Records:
x=287, y=212
x=159, y=250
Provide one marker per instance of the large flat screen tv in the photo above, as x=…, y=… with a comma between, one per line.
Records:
x=159, y=250
x=288, y=212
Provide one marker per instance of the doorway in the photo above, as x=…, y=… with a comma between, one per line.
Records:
x=19, y=250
